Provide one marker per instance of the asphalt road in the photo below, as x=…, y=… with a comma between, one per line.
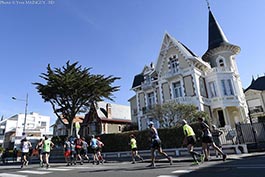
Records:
x=253, y=166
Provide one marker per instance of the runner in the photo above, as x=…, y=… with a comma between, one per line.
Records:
x=99, y=150
x=39, y=148
x=47, y=145
x=190, y=141
x=94, y=147
x=78, y=147
x=133, y=145
x=156, y=145
x=67, y=151
x=73, y=152
x=207, y=139
x=25, y=146
x=216, y=138
x=84, y=152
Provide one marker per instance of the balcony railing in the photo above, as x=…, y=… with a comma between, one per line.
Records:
x=148, y=85
x=256, y=109
x=221, y=70
x=171, y=74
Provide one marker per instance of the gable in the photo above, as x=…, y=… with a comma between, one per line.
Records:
x=170, y=48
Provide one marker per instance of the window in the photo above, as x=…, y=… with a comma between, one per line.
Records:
x=177, y=90
x=147, y=79
x=213, y=92
x=202, y=87
x=43, y=124
x=227, y=87
x=221, y=63
x=174, y=64
x=150, y=99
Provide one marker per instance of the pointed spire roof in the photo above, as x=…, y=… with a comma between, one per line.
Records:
x=216, y=34
x=217, y=38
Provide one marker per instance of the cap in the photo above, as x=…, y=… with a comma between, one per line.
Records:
x=151, y=123
x=184, y=122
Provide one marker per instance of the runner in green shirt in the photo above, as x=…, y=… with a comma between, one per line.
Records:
x=46, y=149
x=190, y=141
x=133, y=145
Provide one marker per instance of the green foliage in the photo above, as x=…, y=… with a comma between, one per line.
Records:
x=72, y=89
x=171, y=138
x=170, y=113
x=1, y=149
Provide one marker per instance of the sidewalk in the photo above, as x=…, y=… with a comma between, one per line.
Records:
x=147, y=159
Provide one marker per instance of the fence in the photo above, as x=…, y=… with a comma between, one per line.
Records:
x=251, y=133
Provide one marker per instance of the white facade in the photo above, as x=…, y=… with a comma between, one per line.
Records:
x=211, y=83
x=12, y=128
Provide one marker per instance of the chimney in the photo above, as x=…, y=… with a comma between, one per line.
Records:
x=108, y=108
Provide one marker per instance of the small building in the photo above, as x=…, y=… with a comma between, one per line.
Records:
x=11, y=129
x=255, y=97
x=105, y=118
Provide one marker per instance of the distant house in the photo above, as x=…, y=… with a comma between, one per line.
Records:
x=11, y=128
x=255, y=97
x=105, y=118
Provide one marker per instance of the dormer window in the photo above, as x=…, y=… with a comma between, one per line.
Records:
x=220, y=61
x=173, y=64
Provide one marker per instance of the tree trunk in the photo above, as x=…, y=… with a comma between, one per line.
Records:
x=71, y=128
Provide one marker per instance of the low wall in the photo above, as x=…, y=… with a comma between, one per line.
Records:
x=179, y=152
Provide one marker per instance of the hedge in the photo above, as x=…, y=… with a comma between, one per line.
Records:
x=170, y=137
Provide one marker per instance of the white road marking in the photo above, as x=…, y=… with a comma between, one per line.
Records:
x=167, y=176
x=57, y=169
x=35, y=172
x=11, y=175
x=182, y=171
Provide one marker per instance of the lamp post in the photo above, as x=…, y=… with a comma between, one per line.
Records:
x=26, y=109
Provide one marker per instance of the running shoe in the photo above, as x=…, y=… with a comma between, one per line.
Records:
x=195, y=163
x=170, y=161
x=224, y=157
x=202, y=158
x=48, y=166
x=152, y=165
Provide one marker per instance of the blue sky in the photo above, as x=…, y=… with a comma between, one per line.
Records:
x=114, y=37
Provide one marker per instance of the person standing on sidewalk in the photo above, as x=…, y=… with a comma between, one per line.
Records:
x=156, y=145
x=190, y=141
x=207, y=139
x=133, y=145
x=25, y=146
x=47, y=145
x=216, y=138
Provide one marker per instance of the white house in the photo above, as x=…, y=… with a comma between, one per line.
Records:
x=11, y=129
x=211, y=82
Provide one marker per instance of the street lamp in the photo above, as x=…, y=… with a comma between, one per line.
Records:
x=26, y=108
